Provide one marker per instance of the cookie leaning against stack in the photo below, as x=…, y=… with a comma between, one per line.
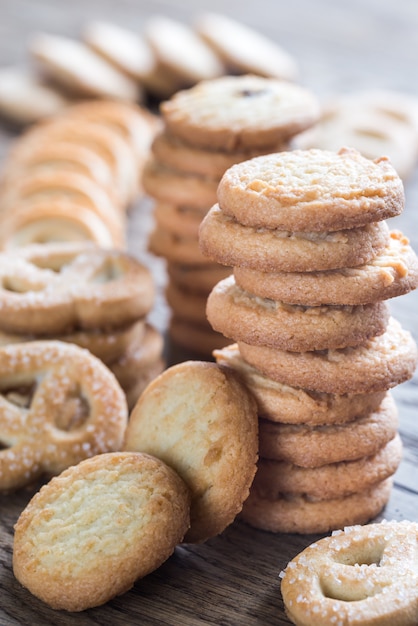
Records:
x=314, y=263
x=80, y=293
x=207, y=129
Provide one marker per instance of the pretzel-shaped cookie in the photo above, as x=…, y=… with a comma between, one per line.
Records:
x=58, y=405
x=54, y=288
x=360, y=576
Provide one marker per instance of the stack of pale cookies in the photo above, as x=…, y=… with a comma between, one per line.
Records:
x=207, y=129
x=314, y=264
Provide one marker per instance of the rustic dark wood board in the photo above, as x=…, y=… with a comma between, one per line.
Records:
x=233, y=579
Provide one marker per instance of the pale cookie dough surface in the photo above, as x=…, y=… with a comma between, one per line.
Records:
x=283, y=403
x=380, y=364
x=200, y=419
x=235, y=113
x=333, y=480
x=392, y=273
x=313, y=446
x=302, y=515
x=312, y=190
x=223, y=239
x=91, y=532
x=242, y=316
x=361, y=576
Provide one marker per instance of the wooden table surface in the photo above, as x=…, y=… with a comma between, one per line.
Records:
x=233, y=579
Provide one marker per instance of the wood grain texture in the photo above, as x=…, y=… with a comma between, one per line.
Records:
x=233, y=579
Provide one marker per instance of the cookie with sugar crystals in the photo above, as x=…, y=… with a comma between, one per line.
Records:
x=223, y=239
x=242, y=316
x=245, y=50
x=379, y=364
x=393, y=272
x=311, y=190
x=204, y=425
x=91, y=532
x=239, y=113
x=360, y=575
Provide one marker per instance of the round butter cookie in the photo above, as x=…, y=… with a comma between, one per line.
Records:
x=393, y=272
x=241, y=316
x=380, y=364
x=311, y=190
x=175, y=248
x=74, y=66
x=328, y=481
x=236, y=113
x=200, y=420
x=293, y=405
x=172, y=186
x=182, y=221
x=91, y=532
x=171, y=152
x=362, y=576
x=245, y=50
x=180, y=51
x=199, y=279
x=303, y=515
x=313, y=446
x=223, y=239
x=198, y=337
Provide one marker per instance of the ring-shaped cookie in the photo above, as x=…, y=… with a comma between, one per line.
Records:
x=361, y=576
x=58, y=405
x=57, y=288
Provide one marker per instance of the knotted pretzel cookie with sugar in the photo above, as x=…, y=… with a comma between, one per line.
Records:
x=361, y=576
x=58, y=405
x=56, y=288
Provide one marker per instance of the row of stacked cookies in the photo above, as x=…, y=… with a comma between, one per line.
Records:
x=65, y=193
x=74, y=177
x=314, y=263
x=206, y=130
x=112, y=61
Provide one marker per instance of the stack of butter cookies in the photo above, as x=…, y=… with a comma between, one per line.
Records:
x=80, y=293
x=314, y=265
x=206, y=130
x=74, y=177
